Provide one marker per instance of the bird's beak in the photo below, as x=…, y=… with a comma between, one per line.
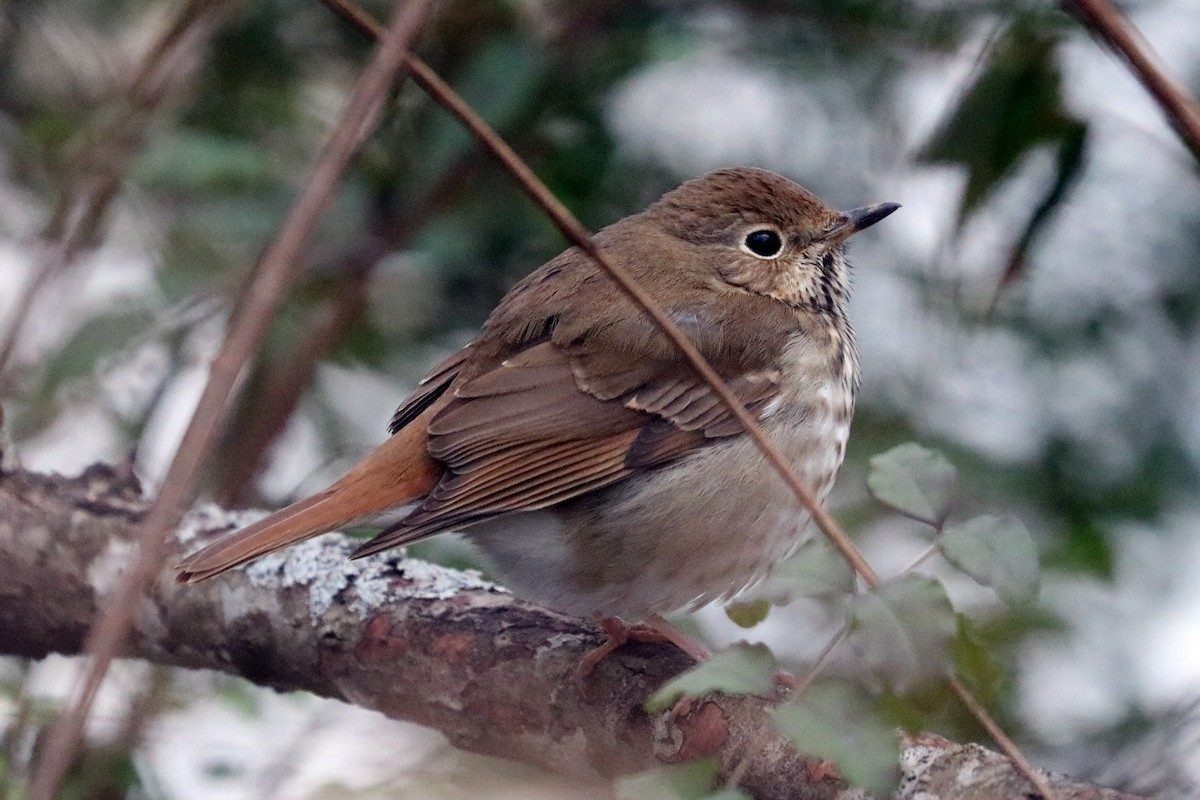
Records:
x=851, y=222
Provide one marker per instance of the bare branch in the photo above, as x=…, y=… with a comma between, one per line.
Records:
x=577, y=234
x=273, y=276
x=416, y=642
x=1107, y=22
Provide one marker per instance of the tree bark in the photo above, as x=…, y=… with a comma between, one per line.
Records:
x=417, y=642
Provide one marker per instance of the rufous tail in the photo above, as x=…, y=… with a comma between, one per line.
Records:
x=395, y=474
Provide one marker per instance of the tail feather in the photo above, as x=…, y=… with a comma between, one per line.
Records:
x=295, y=523
x=398, y=472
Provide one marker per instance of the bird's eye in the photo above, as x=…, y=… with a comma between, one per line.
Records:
x=764, y=243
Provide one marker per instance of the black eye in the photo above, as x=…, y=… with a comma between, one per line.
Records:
x=764, y=243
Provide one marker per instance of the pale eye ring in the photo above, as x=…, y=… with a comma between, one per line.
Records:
x=763, y=243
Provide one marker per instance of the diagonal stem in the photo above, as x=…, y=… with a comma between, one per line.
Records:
x=271, y=279
x=578, y=235
x=581, y=238
x=1108, y=23
x=1002, y=740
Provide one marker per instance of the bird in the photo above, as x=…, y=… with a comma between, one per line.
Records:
x=582, y=454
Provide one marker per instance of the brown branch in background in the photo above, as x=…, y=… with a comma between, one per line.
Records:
x=272, y=278
x=101, y=167
x=1107, y=22
x=250, y=436
x=268, y=411
x=422, y=643
x=581, y=238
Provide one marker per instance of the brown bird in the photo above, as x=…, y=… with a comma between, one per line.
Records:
x=600, y=475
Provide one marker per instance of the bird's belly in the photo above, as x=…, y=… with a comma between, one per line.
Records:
x=698, y=530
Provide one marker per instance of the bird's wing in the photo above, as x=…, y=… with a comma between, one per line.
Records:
x=544, y=426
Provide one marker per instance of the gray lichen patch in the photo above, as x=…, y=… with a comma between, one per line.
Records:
x=323, y=565
x=915, y=761
x=209, y=517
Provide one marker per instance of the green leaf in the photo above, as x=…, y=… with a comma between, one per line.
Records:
x=690, y=781
x=816, y=570
x=914, y=480
x=998, y=552
x=749, y=613
x=199, y=162
x=741, y=669
x=834, y=723
x=902, y=630
x=975, y=664
x=1014, y=106
x=728, y=793
x=97, y=338
x=1083, y=546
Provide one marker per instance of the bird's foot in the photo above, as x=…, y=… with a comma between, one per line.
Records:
x=653, y=629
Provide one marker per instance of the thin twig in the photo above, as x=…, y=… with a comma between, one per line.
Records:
x=1107, y=22
x=822, y=659
x=1007, y=745
x=272, y=278
x=578, y=235
x=739, y=772
x=921, y=559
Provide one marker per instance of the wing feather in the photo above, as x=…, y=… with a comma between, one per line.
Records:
x=549, y=423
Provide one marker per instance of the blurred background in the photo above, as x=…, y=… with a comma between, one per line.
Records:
x=1033, y=311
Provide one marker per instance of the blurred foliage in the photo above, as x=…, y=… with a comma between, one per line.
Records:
x=691, y=781
x=740, y=669
x=833, y=722
x=426, y=234
x=1013, y=105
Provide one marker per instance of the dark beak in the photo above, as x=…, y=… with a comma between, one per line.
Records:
x=851, y=222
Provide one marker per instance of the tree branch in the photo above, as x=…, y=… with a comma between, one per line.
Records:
x=1113, y=28
x=415, y=641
